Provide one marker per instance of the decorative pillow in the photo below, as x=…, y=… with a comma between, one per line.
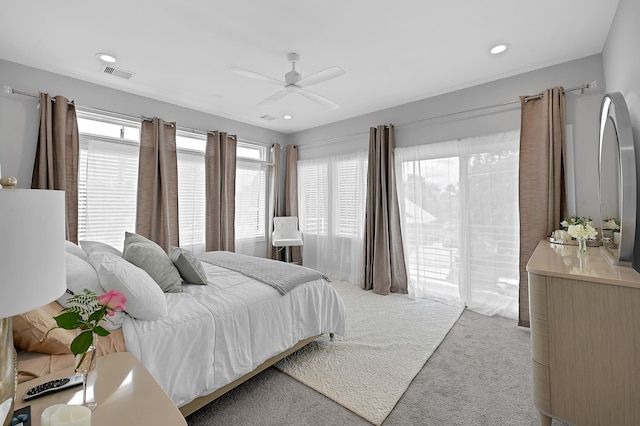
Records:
x=145, y=300
x=96, y=246
x=190, y=268
x=149, y=256
x=75, y=250
x=30, y=331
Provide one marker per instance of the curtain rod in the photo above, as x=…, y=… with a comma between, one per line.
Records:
x=11, y=90
x=336, y=139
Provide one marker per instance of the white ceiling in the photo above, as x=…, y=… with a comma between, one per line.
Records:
x=393, y=51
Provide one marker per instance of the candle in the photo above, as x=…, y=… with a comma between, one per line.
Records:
x=66, y=415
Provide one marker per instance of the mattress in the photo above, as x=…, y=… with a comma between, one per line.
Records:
x=217, y=333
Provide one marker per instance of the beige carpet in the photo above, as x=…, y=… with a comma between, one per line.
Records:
x=388, y=340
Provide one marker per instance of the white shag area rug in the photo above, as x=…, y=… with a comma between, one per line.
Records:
x=388, y=340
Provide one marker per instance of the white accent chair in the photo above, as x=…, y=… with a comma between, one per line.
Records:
x=286, y=234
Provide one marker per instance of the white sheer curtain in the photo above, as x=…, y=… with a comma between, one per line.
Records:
x=331, y=202
x=459, y=209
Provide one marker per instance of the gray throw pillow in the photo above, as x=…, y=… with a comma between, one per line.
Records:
x=189, y=267
x=149, y=256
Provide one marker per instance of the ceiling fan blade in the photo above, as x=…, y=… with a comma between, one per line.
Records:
x=273, y=98
x=257, y=76
x=321, y=76
x=318, y=99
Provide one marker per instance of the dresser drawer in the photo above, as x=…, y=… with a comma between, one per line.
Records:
x=541, y=387
x=537, y=296
x=540, y=341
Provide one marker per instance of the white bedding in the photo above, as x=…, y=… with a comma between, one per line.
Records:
x=217, y=333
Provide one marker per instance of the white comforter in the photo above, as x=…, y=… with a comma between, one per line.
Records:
x=217, y=333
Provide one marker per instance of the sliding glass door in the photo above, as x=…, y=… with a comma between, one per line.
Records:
x=459, y=210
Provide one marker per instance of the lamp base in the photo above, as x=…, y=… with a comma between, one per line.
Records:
x=8, y=372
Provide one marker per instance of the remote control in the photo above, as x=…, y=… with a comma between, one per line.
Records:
x=53, y=386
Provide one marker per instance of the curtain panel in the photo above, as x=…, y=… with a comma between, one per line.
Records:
x=459, y=209
x=274, y=197
x=541, y=178
x=384, y=263
x=291, y=193
x=220, y=187
x=331, y=195
x=57, y=155
x=157, y=195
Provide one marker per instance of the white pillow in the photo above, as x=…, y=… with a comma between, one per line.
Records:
x=145, y=300
x=75, y=249
x=96, y=246
x=80, y=275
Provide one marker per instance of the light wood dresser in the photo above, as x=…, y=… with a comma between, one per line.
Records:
x=585, y=337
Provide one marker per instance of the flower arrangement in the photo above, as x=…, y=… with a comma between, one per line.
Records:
x=579, y=227
x=612, y=223
x=85, y=312
x=574, y=220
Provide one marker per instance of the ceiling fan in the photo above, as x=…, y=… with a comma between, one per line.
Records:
x=293, y=82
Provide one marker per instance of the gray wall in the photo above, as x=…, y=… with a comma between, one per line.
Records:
x=621, y=59
x=19, y=114
x=582, y=112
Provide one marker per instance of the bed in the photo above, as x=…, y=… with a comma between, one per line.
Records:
x=218, y=335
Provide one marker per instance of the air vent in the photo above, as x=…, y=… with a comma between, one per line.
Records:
x=108, y=69
x=269, y=117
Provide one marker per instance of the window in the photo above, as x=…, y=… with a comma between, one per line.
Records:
x=459, y=212
x=315, y=198
x=251, y=190
x=331, y=196
x=108, y=178
x=191, y=190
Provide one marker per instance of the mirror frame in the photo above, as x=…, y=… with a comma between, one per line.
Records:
x=614, y=107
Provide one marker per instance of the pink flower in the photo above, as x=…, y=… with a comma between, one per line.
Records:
x=113, y=300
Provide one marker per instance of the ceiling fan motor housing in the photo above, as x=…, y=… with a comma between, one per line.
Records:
x=292, y=77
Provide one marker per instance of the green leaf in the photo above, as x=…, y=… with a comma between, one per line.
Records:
x=82, y=342
x=69, y=320
x=96, y=316
x=100, y=331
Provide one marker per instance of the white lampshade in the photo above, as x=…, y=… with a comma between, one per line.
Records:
x=32, y=249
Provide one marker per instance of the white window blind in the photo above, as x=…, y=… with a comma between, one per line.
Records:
x=107, y=187
x=349, y=178
x=191, y=200
x=251, y=188
x=315, y=198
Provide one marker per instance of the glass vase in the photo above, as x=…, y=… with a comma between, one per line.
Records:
x=582, y=246
x=85, y=363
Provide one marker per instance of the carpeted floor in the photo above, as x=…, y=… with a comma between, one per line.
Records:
x=479, y=375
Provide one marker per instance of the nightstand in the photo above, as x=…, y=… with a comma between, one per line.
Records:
x=123, y=389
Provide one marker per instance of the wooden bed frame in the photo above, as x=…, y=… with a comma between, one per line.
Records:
x=200, y=402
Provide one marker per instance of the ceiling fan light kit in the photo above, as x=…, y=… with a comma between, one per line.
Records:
x=294, y=83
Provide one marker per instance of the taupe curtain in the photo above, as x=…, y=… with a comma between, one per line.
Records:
x=541, y=187
x=220, y=177
x=57, y=155
x=384, y=266
x=291, y=192
x=274, y=197
x=157, y=204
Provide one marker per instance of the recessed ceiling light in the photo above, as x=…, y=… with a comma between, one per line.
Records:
x=287, y=117
x=105, y=57
x=497, y=49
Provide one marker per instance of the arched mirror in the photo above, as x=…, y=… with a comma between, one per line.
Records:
x=617, y=174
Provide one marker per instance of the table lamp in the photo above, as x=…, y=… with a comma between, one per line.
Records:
x=32, y=269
